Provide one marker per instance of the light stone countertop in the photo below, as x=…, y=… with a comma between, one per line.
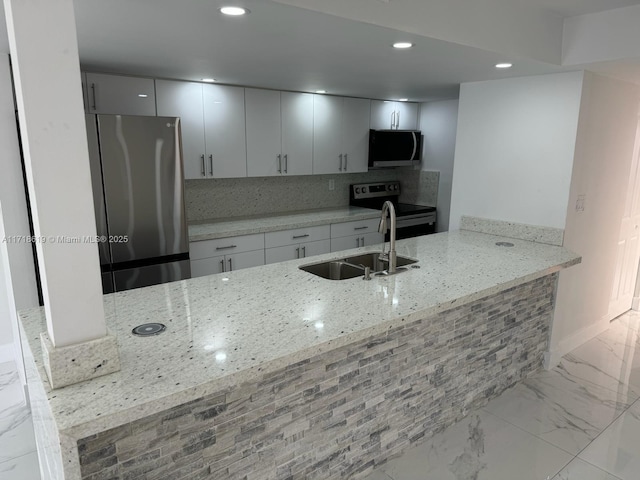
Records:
x=229, y=328
x=210, y=229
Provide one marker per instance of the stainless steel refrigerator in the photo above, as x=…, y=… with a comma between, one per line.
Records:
x=138, y=190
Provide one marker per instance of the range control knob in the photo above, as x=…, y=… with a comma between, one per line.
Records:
x=364, y=189
x=389, y=187
x=357, y=189
x=395, y=187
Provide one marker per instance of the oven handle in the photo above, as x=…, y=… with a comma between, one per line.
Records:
x=415, y=146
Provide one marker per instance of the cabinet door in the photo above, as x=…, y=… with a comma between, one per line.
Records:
x=407, y=116
x=374, y=238
x=327, y=134
x=355, y=134
x=224, y=123
x=281, y=254
x=114, y=94
x=264, y=155
x=297, y=133
x=382, y=117
x=345, y=243
x=360, y=227
x=309, y=249
x=244, y=260
x=207, y=266
x=184, y=100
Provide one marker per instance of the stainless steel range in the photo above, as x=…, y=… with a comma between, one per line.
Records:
x=412, y=220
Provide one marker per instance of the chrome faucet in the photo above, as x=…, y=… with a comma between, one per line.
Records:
x=388, y=208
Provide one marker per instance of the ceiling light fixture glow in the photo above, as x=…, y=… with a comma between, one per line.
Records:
x=143, y=95
x=402, y=45
x=403, y=99
x=234, y=11
x=321, y=91
x=209, y=80
x=504, y=65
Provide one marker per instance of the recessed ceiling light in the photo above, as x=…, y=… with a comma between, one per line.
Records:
x=143, y=95
x=504, y=65
x=210, y=80
x=402, y=45
x=403, y=99
x=234, y=11
x=321, y=91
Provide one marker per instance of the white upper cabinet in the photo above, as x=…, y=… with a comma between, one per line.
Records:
x=184, y=100
x=340, y=134
x=264, y=132
x=225, y=137
x=213, y=131
x=279, y=133
x=390, y=115
x=297, y=132
x=115, y=94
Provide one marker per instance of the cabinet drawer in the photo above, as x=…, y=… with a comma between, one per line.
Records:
x=354, y=228
x=299, y=235
x=225, y=246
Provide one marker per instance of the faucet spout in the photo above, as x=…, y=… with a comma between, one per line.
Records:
x=389, y=209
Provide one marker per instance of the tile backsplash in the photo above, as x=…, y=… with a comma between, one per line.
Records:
x=239, y=197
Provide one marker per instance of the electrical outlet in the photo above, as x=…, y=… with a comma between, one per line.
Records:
x=332, y=185
x=580, y=203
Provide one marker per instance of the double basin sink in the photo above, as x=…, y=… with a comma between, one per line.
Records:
x=351, y=267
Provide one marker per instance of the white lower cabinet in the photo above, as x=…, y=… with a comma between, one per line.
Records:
x=226, y=254
x=295, y=251
x=356, y=241
x=355, y=234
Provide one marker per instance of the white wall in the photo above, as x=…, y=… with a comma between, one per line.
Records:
x=18, y=284
x=438, y=122
x=604, y=150
x=514, y=149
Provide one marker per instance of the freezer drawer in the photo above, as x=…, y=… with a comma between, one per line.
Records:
x=151, y=275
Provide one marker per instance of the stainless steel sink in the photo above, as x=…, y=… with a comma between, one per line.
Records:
x=373, y=261
x=351, y=267
x=334, y=270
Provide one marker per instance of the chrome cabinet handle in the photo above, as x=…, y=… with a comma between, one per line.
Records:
x=345, y=162
x=286, y=162
x=340, y=167
x=301, y=236
x=360, y=228
x=93, y=94
x=226, y=248
x=211, y=164
x=357, y=241
x=362, y=242
x=279, y=163
x=204, y=171
x=393, y=119
x=298, y=252
x=230, y=266
x=222, y=265
x=304, y=252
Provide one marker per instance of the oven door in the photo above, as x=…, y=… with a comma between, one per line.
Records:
x=414, y=226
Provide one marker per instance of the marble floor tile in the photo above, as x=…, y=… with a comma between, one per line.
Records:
x=617, y=449
x=563, y=411
x=480, y=447
x=16, y=435
x=605, y=361
x=11, y=392
x=580, y=470
x=21, y=468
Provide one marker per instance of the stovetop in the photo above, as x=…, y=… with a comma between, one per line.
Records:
x=373, y=195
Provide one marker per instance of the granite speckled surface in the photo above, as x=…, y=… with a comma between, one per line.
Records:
x=228, y=328
x=210, y=229
x=532, y=233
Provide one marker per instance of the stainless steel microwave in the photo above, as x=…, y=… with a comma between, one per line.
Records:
x=394, y=148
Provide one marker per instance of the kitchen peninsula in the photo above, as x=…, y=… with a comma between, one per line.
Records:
x=272, y=372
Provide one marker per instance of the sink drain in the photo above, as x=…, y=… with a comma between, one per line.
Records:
x=504, y=244
x=148, y=329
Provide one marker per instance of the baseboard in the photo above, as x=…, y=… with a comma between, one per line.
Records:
x=553, y=357
x=7, y=353
x=635, y=304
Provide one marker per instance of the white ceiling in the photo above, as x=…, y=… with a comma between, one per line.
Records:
x=286, y=47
